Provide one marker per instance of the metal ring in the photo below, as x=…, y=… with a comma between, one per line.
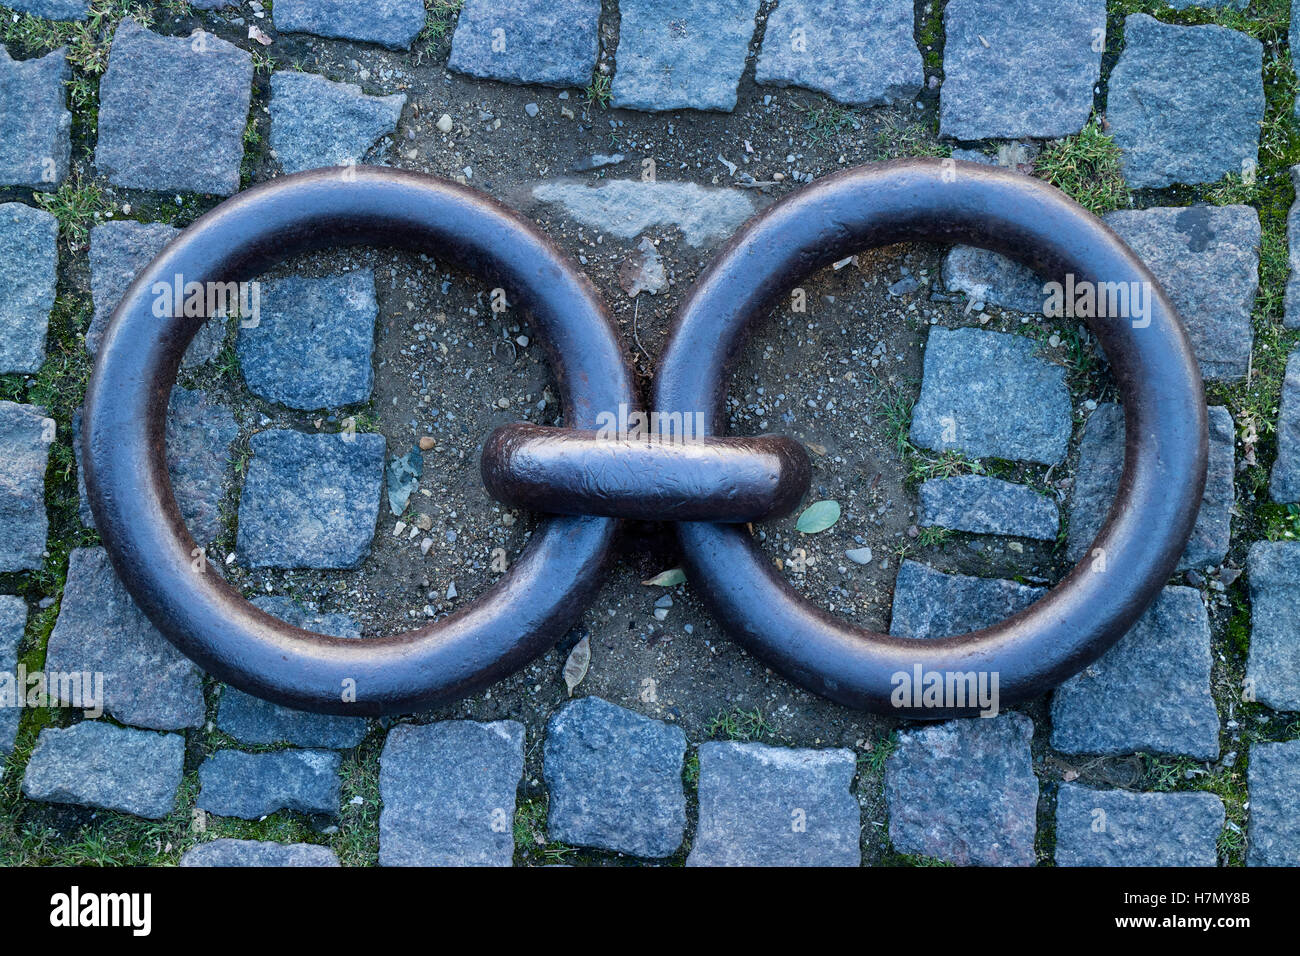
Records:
x=1166, y=436
x=519, y=617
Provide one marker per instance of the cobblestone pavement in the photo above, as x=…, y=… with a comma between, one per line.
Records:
x=325, y=454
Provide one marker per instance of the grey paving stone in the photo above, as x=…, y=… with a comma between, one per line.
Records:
x=13, y=620
x=615, y=779
x=315, y=122
x=983, y=505
x=29, y=260
x=53, y=9
x=1114, y=828
x=681, y=54
x=310, y=501
x=228, y=852
x=776, y=806
x=159, y=97
x=929, y=603
x=1291, y=310
x=1207, y=259
x=1019, y=68
x=964, y=791
x=237, y=784
x=251, y=720
x=1101, y=460
x=35, y=125
x=863, y=55
x=990, y=277
x=25, y=437
x=1273, y=781
x=312, y=344
x=1284, y=485
x=391, y=23
x=1273, y=663
x=989, y=394
x=1150, y=693
x=549, y=42
x=1185, y=103
x=625, y=208
x=448, y=791
x=146, y=681
x=94, y=764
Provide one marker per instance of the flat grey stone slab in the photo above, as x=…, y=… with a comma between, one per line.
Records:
x=312, y=344
x=172, y=112
x=29, y=260
x=316, y=122
x=146, y=681
x=862, y=55
x=625, y=208
x=1291, y=307
x=1284, y=485
x=13, y=620
x=237, y=784
x=1150, y=693
x=251, y=720
x=548, y=42
x=53, y=9
x=1185, y=103
x=1273, y=781
x=615, y=779
x=35, y=125
x=1019, y=68
x=681, y=54
x=984, y=505
x=989, y=394
x=310, y=501
x=391, y=23
x=1273, y=663
x=964, y=791
x=94, y=764
x=1101, y=460
x=1207, y=259
x=990, y=277
x=25, y=437
x=448, y=791
x=929, y=603
x=1115, y=828
x=228, y=852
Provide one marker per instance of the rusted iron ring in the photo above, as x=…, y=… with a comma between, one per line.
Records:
x=1165, y=454
x=521, y=616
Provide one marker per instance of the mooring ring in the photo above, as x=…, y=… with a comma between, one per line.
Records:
x=1160, y=491
x=523, y=614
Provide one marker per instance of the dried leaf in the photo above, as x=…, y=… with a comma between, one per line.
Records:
x=575, y=668
x=668, y=579
x=818, y=516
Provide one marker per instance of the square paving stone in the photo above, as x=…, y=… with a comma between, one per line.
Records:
x=1273, y=780
x=1150, y=693
x=162, y=95
x=964, y=791
x=681, y=54
x=310, y=501
x=929, y=603
x=13, y=620
x=25, y=437
x=391, y=23
x=1273, y=663
x=228, y=852
x=53, y=9
x=312, y=344
x=776, y=806
x=448, y=791
x=626, y=208
x=615, y=779
x=1207, y=259
x=1019, y=67
x=29, y=260
x=146, y=681
x=1101, y=460
x=1185, y=103
x=989, y=277
x=864, y=55
x=35, y=125
x=1114, y=828
x=250, y=786
x=983, y=505
x=990, y=394
x=315, y=122
x=1291, y=308
x=1284, y=485
x=549, y=42
x=94, y=764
